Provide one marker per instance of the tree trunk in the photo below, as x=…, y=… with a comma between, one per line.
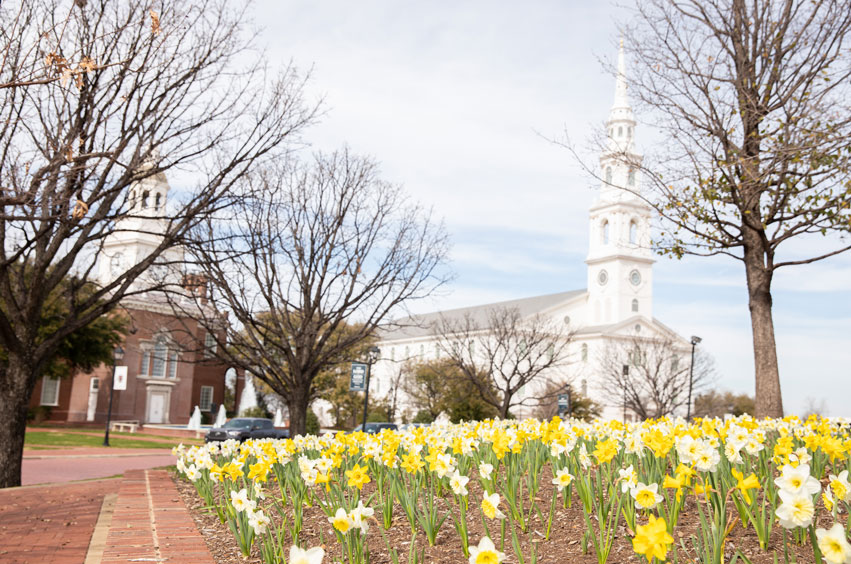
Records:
x=15, y=390
x=298, y=405
x=769, y=402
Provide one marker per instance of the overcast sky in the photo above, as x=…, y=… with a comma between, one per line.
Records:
x=457, y=101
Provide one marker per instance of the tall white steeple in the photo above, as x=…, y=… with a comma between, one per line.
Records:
x=619, y=256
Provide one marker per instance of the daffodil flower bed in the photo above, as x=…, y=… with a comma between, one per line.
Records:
x=710, y=492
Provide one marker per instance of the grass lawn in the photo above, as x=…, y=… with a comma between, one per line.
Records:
x=69, y=438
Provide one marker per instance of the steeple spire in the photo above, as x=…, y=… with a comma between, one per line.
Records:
x=621, y=99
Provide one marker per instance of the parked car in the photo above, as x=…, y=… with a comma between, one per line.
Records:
x=375, y=428
x=244, y=428
x=412, y=426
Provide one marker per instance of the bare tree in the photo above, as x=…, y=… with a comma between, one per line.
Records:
x=322, y=245
x=650, y=377
x=183, y=95
x=503, y=353
x=753, y=103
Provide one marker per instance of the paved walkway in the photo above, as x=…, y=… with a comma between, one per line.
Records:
x=52, y=523
x=47, y=466
x=151, y=524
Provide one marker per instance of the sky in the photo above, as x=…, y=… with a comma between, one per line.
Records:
x=460, y=101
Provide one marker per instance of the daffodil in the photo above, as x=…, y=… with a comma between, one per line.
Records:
x=240, y=501
x=652, y=540
x=796, y=509
x=357, y=476
x=646, y=496
x=310, y=556
x=485, y=470
x=490, y=507
x=744, y=484
x=840, y=486
x=485, y=553
x=562, y=479
x=833, y=544
x=797, y=480
x=458, y=483
x=341, y=521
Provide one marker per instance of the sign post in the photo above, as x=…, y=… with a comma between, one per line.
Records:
x=359, y=379
x=563, y=404
x=117, y=355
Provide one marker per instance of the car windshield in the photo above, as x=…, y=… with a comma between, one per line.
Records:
x=238, y=424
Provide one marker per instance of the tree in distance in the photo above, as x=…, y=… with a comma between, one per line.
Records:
x=504, y=354
x=651, y=377
x=95, y=97
x=320, y=255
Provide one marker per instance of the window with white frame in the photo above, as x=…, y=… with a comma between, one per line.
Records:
x=146, y=363
x=206, y=401
x=160, y=356
x=209, y=345
x=172, y=364
x=50, y=391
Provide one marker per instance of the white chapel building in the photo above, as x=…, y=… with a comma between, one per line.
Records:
x=616, y=304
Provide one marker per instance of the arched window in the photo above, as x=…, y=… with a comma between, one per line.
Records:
x=393, y=353
x=605, y=232
x=422, y=352
x=633, y=232
x=635, y=305
x=608, y=175
x=675, y=364
x=620, y=131
x=157, y=201
x=145, y=195
x=584, y=352
x=160, y=355
x=584, y=387
x=631, y=178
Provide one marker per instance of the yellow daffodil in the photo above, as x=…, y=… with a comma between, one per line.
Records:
x=744, y=484
x=652, y=540
x=357, y=477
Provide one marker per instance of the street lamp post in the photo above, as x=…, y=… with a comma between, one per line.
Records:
x=117, y=355
x=371, y=357
x=625, y=374
x=694, y=341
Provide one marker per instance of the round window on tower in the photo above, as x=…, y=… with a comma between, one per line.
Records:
x=635, y=277
x=603, y=277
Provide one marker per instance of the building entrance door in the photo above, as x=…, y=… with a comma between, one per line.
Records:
x=156, y=407
x=94, y=385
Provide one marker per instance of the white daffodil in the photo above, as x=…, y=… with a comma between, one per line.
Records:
x=797, y=509
x=443, y=465
x=797, y=480
x=628, y=477
x=240, y=501
x=341, y=521
x=833, y=544
x=259, y=522
x=310, y=556
x=359, y=516
x=458, y=483
x=646, y=496
x=490, y=507
x=192, y=473
x=485, y=470
x=485, y=553
x=562, y=479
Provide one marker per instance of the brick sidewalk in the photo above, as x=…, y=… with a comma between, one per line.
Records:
x=51, y=523
x=150, y=523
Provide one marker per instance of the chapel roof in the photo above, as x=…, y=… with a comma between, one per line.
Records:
x=424, y=325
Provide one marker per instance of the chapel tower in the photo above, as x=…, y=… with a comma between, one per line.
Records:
x=620, y=275
x=138, y=233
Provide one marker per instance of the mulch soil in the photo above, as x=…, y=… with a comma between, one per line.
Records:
x=564, y=545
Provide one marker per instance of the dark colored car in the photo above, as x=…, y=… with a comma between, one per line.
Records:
x=244, y=428
x=375, y=428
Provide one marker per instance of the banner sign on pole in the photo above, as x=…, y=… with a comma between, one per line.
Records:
x=119, y=380
x=357, y=380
